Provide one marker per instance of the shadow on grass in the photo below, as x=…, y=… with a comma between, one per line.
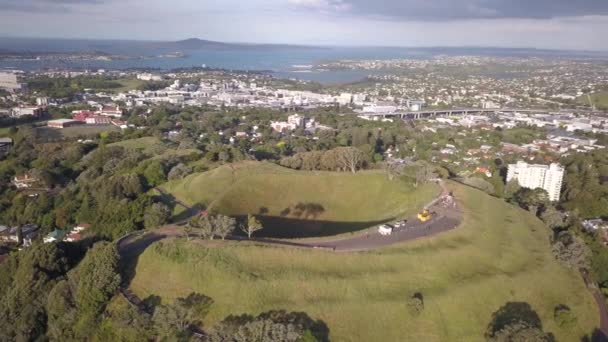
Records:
x=187, y=214
x=129, y=255
x=172, y=202
x=287, y=228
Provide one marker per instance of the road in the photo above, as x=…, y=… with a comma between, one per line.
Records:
x=445, y=220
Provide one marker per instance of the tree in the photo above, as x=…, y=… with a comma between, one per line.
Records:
x=224, y=225
x=516, y=322
x=188, y=231
x=424, y=173
x=156, y=215
x=571, y=250
x=552, y=218
x=35, y=272
x=394, y=170
x=155, y=173
x=270, y=326
x=204, y=225
x=349, y=158
x=97, y=280
x=174, y=320
x=511, y=189
x=179, y=171
x=253, y=225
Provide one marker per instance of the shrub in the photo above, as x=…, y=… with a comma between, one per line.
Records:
x=564, y=317
x=415, y=304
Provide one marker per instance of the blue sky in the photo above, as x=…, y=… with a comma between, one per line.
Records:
x=564, y=24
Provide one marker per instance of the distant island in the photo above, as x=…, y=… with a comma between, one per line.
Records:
x=197, y=44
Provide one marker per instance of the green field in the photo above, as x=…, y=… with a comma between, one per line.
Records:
x=299, y=203
x=499, y=254
x=600, y=99
x=154, y=147
x=49, y=133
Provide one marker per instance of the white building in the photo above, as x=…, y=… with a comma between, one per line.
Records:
x=149, y=77
x=545, y=177
x=10, y=81
x=293, y=122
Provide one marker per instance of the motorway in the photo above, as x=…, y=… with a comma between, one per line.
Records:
x=460, y=112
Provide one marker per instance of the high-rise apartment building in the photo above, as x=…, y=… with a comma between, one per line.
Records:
x=547, y=177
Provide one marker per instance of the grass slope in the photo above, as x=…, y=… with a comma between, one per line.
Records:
x=499, y=254
x=600, y=99
x=298, y=203
x=154, y=147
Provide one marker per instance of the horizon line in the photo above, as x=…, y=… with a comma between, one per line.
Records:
x=322, y=45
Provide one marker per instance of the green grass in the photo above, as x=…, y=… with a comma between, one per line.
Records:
x=128, y=84
x=299, y=203
x=145, y=143
x=600, y=99
x=499, y=254
x=154, y=147
x=72, y=132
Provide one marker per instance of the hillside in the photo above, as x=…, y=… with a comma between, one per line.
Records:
x=299, y=203
x=155, y=148
x=500, y=254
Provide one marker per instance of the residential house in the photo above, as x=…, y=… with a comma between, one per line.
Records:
x=29, y=232
x=76, y=233
x=25, y=181
x=5, y=145
x=54, y=236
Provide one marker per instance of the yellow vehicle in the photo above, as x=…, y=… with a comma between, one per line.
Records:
x=425, y=215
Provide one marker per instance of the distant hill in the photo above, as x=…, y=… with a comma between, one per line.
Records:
x=197, y=43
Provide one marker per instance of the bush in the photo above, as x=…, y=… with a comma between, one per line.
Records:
x=564, y=317
x=516, y=321
x=415, y=304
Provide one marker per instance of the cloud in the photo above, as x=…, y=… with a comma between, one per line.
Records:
x=321, y=5
x=44, y=5
x=424, y=10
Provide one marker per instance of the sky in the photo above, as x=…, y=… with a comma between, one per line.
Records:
x=553, y=24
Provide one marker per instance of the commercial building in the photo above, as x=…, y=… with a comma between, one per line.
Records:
x=63, y=123
x=98, y=120
x=547, y=177
x=35, y=111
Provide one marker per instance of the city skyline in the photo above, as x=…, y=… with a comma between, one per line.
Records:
x=498, y=23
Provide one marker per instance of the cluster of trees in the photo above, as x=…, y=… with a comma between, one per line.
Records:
x=63, y=292
x=67, y=87
x=586, y=184
x=343, y=159
x=106, y=186
x=208, y=226
x=181, y=320
x=46, y=297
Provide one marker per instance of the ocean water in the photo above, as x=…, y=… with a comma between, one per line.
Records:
x=284, y=62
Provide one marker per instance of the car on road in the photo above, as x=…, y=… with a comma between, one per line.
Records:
x=385, y=230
